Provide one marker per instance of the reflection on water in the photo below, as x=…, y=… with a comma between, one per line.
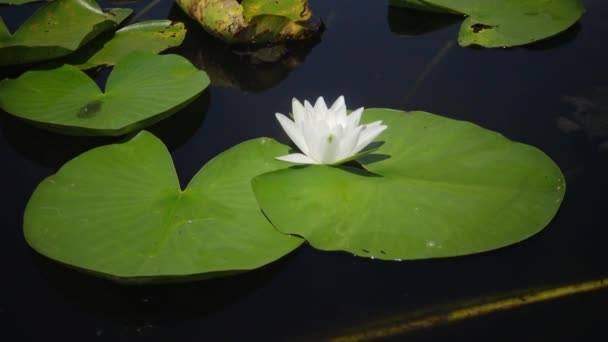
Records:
x=411, y=22
x=589, y=117
x=52, y=150
x=249, y=68
x=142, y=307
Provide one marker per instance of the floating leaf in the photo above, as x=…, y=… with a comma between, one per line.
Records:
x=500, y=23
x=142, y=89
x=4, y=33
x=119, y=211
x=436, y=188
x=57, y=29
x=252, y=21
x=249, y=68
x=294, y=10
x=153, y=36
x=16, y=2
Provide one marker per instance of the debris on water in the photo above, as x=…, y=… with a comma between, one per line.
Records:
x=143, y=327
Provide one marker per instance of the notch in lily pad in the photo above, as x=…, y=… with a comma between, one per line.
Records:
x=142, y=89
x=57, y=29
x=504, y=23
x=449, y=188
x=118, y=211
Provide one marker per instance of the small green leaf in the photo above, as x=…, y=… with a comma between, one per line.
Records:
x=436, y=188
x=422, y=5
x=4, y=33
x=294, y=10
x=153, y=36
x=142, y=89
x=57, y=29
x=17, y=2
x=251, y=21
x=118, y=211
x=500, y=23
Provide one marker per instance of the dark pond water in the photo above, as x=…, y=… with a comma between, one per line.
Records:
x=376, y=57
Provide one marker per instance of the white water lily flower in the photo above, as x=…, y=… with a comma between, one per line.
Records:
x=327, y=135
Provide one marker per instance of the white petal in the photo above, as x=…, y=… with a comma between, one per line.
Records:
x=322, y=112
x=297, y=158
x=314, y=132
x=354, y=118
x=331, y=148
x=374, y=124
x=310, y=111
x=294, y=132
x=320, y=104
x=367, y=136
x=298, y=111
x=339, y=111
x=338, y=105
x=349, y=142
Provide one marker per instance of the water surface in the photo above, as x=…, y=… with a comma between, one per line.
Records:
x=376, y=57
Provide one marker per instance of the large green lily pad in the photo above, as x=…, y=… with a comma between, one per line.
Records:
x=500, y=23
x=118, y=211
x=142, y=89
x=57, y=29
x=153, y=36
x=437, y=187
x=252, y=21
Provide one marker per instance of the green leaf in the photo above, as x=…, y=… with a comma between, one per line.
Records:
x=118, y=211
x=500, y=23
x=57, y=29
x=436, y=188
x=294, y=10
x=422, y=5
x=4, y=33
x=153, y=36
x=142, y=89
x=16, y=2
x=252, y=21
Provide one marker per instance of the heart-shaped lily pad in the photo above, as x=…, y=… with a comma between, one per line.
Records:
x=437, y=187
x=153, y=36
x=505, y=22
x=118, y=211
x=142, y=89
x=57, y=29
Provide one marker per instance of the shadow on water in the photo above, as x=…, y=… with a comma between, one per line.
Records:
x=137, y=306
x=409, y=22
x=52, y=150
x=246, y=67
x=558, y=40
